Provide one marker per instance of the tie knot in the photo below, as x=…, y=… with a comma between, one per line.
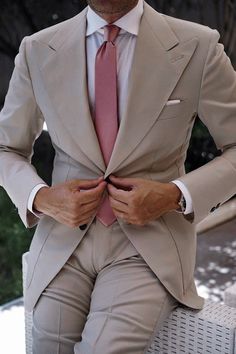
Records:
x=111, y=32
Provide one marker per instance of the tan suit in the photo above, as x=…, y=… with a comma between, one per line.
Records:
x=173, y=59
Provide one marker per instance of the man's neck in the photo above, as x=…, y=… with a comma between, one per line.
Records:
x=110, y=18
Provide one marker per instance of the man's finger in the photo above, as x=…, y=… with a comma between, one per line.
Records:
x=92, y=194
x=118, y=194
x=89, y=208
x=124, y=182
x=121, y=215
x=120, y=206
x=85, y=184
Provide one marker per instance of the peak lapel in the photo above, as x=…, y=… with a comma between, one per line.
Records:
x=65, y=76
x=158, y=63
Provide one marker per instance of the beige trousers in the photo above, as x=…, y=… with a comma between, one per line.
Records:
x=105, y=300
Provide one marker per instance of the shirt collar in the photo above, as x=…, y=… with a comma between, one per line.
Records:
x=128, y=23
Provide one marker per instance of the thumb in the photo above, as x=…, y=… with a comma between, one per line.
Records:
x=78, y=184
x=125, y=182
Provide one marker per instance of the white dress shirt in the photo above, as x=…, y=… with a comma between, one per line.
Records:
x=125, y=43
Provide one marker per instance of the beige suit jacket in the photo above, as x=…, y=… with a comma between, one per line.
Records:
x=173, y=59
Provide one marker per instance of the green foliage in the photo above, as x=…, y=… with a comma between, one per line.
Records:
x=202, y=148
x=14, y=237
x=14, y=241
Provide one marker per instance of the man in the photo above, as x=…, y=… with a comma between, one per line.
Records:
x=114, y=250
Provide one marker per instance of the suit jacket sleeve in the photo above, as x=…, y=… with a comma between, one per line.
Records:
x=21, y=122
x=214, y=183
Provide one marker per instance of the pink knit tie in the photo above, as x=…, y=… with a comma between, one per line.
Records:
x=106, y=109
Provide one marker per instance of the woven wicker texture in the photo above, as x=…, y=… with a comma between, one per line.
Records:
x=28, y=315
x=209, y=331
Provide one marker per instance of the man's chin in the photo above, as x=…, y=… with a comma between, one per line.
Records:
x=110, y=8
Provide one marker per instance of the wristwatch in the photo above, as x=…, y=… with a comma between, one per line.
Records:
x=182, y=204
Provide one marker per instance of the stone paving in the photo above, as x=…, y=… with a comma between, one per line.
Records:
x=216, y=260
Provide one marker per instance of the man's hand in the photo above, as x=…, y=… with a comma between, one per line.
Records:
x=138, y=201
x=69, y=205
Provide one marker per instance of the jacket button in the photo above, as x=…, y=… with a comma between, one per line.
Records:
x=83, y=227
x=107, y=180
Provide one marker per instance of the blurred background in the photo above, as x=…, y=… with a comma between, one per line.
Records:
x=19, y=18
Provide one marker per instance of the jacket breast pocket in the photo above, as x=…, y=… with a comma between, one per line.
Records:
x=173, y=110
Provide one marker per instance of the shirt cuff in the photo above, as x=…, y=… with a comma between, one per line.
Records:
x=32, y=197
x=187, y=196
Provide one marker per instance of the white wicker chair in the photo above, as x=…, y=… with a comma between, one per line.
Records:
x=209, y=331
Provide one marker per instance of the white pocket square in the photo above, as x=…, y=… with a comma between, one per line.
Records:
x=172, y=102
